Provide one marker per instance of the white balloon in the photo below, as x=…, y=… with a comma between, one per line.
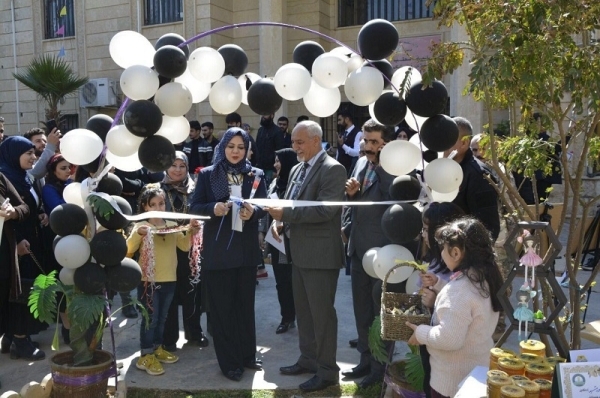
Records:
x=225, y=95
x=128, y=48
x=416, y=139
x=121, y=142
x=444, y=197
x=443, y=175
x=72, y=251
x=354, y=62
x=81, y=146
x=72, y=194
x=364, y=86
x=414, y=77
x=242, y=80
x=124, y=163
x=399, y=157
x=412, y=283
x=66, y=276
x=292, y=81
x=329, y=70
x=414, y=121
x=139, y=82
x=198, y=89
x=173, y=99
x=206, y=64
x=372, y=112
x=322, y=102
x=368, y=260
x=175, y=129
x=388, y=257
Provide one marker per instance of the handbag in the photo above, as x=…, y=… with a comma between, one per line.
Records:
x=26, y=285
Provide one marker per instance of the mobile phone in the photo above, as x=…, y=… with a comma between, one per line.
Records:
x=50, y=125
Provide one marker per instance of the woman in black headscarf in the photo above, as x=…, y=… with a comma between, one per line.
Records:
x=17, y=155
x=179, y=187
x=285, y=159
x=231, y=254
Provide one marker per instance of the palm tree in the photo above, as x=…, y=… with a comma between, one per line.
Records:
x=52, y=79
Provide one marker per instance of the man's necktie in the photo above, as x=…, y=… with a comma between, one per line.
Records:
x=298, y=181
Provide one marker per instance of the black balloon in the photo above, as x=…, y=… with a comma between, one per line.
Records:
x=263, y=99
x=427, y=102
x=123, y=205
x=383, y=66
x=156, y=153
x=377, y=39
x=430, y=155
x=125, y=277
x=142, y=118
x=236, y=60
x=439, y=133
x=110, y=184
x=92, y=167
x=170, y=61
x=99, y=124
x=175, y=40
x=401, y=223
x=107, y=215
x=306, y=52
x=405, y=187
x=67, y=219
x=90, y=278
x=108, y=247
x=389, y=109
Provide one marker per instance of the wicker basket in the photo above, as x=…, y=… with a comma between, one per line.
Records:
x=393, y=327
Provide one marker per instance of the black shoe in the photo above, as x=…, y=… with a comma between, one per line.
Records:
x=24, y=348
x=295, y=369
x=255, y=364
x=129, y=312
x=358, y=371
x=316, y=383
x=170, y=348
x=235, y=375
x=353, y=343
x=285, y=326
x=5, y=345
x=202, y=341
x=370, y=380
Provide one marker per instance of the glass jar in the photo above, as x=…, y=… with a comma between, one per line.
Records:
x=530, y=358
x=512, y=392
x=545, y=387
x=516, y=378
x=533, y=347
x=512, y=366
x=532, y=390
x=539, y=371
x=495, y=383
x=552, y=361
x=497, y=353
x=496, y=372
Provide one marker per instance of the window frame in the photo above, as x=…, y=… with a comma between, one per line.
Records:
x=53, y=21
x=156, y=12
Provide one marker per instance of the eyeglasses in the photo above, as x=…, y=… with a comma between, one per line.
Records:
x=1, y=130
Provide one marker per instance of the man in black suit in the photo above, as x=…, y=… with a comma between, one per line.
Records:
x=317, y=254
x=348, y=141
x=369, y=182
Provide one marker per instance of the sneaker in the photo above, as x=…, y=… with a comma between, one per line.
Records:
x=150, y=364
x=165, y=356
x=262, y=275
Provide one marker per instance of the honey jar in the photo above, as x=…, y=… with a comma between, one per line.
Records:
x=495, y=354
x=533, y=347
x=495, y=383
x=516, y=378
x=512, y=366
x=552, y=361
x=496, y=372
x=530, y=358
x=545, y=387
x=512, y=392
x=532, y=390
x=539, y=371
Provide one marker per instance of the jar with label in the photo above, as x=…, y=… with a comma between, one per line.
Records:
x=539, y=371
x=516, y=378
x=532, y=390
x=495, y=383
x=533, y=347
x=530, y=358
x=552, y=361
x=512, y=392
x=545, y=387
x=512, y=366
x=497, y=353
x=496, y=372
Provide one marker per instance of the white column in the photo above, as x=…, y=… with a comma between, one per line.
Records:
x=272, y=40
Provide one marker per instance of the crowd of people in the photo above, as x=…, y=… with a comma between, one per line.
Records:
x=213, y=175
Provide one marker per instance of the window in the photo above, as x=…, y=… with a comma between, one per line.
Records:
x=60, y=19
x=163, y=11
x=359, y=12
x=68, y=122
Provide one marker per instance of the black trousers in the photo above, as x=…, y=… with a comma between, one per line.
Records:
x=231, y=294
x=189, y=297
x=283, y=283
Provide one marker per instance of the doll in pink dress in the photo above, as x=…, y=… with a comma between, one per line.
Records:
x=530, y=260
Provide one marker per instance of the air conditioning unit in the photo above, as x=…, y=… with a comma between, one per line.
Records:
x=99, y=92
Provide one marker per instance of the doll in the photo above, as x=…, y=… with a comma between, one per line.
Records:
x=530, y=259
x=522, y=312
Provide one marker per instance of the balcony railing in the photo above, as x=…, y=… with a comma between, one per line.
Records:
x=358, y=12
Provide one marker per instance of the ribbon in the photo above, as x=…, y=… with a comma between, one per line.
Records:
x=80, y=381
x=311, y=203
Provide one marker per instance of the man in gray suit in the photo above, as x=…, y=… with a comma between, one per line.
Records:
x=369, y=182
x=317, y=254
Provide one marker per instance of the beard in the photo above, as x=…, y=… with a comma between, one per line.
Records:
x=266, y=122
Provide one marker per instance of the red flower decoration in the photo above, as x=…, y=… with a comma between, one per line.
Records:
x=197, y=171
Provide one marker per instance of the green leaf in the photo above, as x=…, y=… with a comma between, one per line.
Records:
x=101, y=206
x=42, y=299
x=84, y=309
x=376, y=342
x=414, y=372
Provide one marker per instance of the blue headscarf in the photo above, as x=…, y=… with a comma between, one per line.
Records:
x=11, y=150
x=218, y=177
